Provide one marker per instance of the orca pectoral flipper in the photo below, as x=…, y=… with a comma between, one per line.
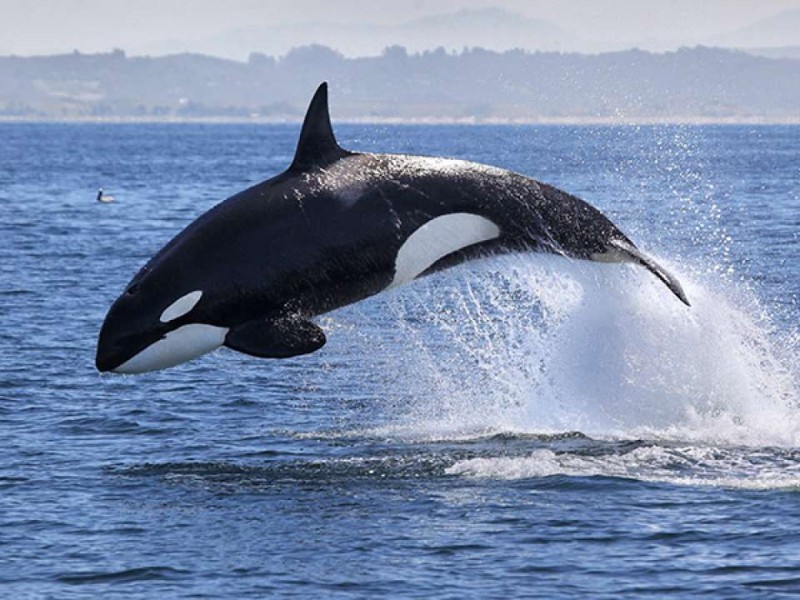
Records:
x=279, y=337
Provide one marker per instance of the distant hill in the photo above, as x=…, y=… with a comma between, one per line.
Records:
x=488, y=28
x=475, y=85
x=780, y=30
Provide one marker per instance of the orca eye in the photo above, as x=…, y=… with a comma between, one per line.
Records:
x=132, y=289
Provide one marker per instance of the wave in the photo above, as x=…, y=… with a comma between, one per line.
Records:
x=696, y=466
x=152, y=573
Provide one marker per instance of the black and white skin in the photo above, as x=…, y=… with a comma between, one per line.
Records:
x=337, y=227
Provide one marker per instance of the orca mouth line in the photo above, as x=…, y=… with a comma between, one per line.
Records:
x=113, y=354
x=175, y=347
x=110, y=360
x=107, y=362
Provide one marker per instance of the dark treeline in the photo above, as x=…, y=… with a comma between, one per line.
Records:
x=698, y=83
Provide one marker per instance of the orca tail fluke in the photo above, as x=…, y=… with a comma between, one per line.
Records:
x=632, y=254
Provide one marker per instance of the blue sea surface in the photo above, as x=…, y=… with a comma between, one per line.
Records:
x=523, y=426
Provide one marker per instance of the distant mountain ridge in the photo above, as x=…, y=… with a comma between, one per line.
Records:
x=699, y=84
x=783, y=30
x=488, y=28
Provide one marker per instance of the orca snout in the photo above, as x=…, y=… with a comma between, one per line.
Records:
x=118, y=342
x=121, y=351
x=111, y=353
x=105, y=360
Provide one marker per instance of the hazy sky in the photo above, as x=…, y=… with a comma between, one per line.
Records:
x=48, y=26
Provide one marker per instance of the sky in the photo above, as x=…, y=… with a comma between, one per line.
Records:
x=57, y=26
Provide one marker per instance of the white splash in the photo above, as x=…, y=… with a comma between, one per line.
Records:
x=539, y=344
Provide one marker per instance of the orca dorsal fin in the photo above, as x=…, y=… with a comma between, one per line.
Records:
x=317, y=144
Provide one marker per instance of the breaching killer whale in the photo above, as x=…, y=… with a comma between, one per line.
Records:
x=333, y=229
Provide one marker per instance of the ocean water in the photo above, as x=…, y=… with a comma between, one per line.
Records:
x=524, y=426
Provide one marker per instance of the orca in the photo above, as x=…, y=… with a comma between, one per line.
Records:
x=336, y=227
